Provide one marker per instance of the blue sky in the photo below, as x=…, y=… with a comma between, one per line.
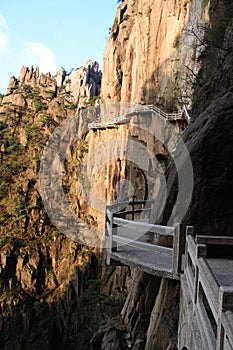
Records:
x=52, y=34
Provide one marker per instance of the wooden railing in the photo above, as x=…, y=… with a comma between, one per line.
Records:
x=212, y=302
x=124, y=230
x=207, y=282
x=140, y=109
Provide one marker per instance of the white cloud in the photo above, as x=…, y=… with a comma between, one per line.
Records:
x=3, y=36
x=3, y=42
x=3, y=23
x=37, y=54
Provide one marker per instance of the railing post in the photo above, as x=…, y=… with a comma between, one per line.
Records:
x=189, y=232
x=110, y=232
x=107, y=237
x=133, y=206
x=177, y=249
x=114, y=232
x=201, y=252
x=106, y=231
x=111, y=245
x=220, y=329
x=196, y=282
x=193, y=293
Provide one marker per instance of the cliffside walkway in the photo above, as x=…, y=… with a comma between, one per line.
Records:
x=206, y=277
x=125, y=118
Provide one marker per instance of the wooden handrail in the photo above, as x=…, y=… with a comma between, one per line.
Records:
x=136, y=211
x=212, y=304
x=163, y=230
x=142, y=245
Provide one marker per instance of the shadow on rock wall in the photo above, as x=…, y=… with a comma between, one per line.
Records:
x=209, y=137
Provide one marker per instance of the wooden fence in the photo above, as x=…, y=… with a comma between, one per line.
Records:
x=212, y=302
x=122, y=232
x=140, y=109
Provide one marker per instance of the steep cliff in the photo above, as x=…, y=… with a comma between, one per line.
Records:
x=165, y=52
x=209, y=137
x=151, y=55
x=120, y=162
x=190, y=60
x=49, y=285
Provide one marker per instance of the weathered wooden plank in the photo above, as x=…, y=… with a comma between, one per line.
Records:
x=207, y=334
x=227, y=323
x=223, y=270
x=190, y=280
x=223, y=240
x=142, y=245
x=191, y=248
x=136, y=211
x=137, y=234
x=209, y=286
x=177, y=249
x=147, y=261
x=163, y=230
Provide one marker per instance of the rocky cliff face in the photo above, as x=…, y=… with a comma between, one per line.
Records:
x=42, y=290
x=49, y=284
x=151, y=55
x=120, y=162
x=209, y=138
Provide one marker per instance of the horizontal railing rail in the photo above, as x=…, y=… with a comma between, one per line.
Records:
x=214, y=240
x=145, y=227
x=142, y=245
x=136, y=211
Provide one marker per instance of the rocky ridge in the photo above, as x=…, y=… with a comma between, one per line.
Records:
x=76, y=86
